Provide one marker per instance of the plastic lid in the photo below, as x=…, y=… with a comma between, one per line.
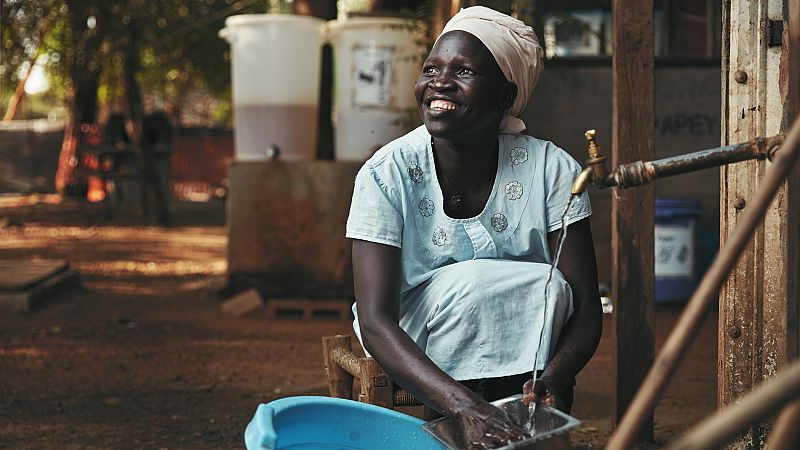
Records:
x=674, y=207
x=366, y=22
x=261, y=19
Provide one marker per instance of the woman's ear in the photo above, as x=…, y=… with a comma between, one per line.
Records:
x=509, y=95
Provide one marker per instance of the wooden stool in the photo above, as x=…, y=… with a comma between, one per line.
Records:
x=341, y=365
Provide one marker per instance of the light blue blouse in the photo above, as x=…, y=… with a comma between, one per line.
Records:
x=398, y=201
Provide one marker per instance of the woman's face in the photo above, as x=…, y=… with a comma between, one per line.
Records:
x=462, y=91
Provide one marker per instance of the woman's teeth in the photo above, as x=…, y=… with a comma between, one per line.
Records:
x=443, y=105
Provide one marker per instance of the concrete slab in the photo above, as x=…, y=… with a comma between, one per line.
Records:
x=16, y=275
x=26, y=283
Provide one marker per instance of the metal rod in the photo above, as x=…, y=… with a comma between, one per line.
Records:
x=763, y=401
x=694, y=312
x=639, y=172
x=785, y=433
x=756, y=149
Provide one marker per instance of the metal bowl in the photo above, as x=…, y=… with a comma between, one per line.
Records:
x=550, y=430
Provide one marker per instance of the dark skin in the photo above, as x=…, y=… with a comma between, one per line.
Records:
x=462, y=96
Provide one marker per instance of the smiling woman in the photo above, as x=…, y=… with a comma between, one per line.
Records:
x=453, y=228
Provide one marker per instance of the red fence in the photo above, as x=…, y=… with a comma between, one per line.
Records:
x=200, y=160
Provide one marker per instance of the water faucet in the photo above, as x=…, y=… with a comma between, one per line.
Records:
x=641, y=172
x=596, y=170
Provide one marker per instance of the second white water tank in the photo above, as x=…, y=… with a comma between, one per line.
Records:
x=376, y=62
x=275, y=68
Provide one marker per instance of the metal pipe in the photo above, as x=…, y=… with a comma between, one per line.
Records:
x=639, y=172
x=689, y=323
x=763, y=401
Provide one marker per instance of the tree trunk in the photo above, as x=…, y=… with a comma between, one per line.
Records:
x=19, y=93
x=82, y=103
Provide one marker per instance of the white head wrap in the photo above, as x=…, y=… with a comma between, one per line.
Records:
x=515, y=48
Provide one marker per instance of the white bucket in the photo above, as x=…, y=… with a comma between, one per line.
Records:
x=275, y=67
x=376, y=62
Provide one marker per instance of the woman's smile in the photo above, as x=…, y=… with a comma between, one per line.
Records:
x=438, y=108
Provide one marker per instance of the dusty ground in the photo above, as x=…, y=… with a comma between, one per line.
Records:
x=140, y=357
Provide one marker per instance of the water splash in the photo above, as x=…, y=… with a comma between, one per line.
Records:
x=562, y=236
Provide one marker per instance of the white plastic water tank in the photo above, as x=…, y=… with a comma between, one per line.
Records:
x=275, y=67
x=376, y=62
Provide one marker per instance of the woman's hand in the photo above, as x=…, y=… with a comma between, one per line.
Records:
x=485, y=426
x=543, y=393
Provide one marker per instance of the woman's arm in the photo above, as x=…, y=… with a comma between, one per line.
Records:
x=376, y=270
x=581, y=334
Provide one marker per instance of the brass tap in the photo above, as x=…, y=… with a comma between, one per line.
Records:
x=596, y=172
x=581, y=181
x=594, y=149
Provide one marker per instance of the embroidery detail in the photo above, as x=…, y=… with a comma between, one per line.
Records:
x=514, y=190
x=499, y=222
x=439, y=237
x=519, y=155
x=415, y=173
x=426, y=207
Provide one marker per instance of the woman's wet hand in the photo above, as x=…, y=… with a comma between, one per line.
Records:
x=543, y=393
x=486, y=426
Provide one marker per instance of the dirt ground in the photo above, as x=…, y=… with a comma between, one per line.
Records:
x=141, y=357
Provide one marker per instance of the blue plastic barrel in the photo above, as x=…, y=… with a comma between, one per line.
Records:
x=676, y=261
x=324, y=423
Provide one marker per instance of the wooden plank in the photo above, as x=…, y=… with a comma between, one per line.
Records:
x=758, y=304
x=376, y=386
x=632, y=210
x=19, y=275
x=340, y=382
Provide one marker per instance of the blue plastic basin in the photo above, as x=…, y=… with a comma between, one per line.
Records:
x=316, y=423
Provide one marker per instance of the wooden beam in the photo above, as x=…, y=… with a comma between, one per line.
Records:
x=632, y=210
x=758, y=304
x=340, y=382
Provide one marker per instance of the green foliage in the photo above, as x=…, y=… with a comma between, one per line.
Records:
x=177, y=40
x=25, y=30
x=181, y=47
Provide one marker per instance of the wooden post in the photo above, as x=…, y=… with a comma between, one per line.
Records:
x=376, y=387
x=340, y=383
x=443, y=10
x=758, y=304
x=632, y=209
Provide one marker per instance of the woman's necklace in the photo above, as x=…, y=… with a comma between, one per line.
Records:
x=456, y=201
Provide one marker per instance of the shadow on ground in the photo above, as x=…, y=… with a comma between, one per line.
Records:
x=140, y=356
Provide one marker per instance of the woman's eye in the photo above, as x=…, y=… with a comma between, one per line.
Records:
x=429, y=70
x=465, y=71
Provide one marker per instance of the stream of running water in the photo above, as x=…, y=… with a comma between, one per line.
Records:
x=562, y=236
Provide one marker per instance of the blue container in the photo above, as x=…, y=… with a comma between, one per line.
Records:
x=324, y=423
x=676, y=261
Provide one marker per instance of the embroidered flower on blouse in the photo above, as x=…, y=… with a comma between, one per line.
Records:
x=439, y=237
x=415, y=173
x=513, y=190
x=425, y=207
x=519, y=155
x=499, y=222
